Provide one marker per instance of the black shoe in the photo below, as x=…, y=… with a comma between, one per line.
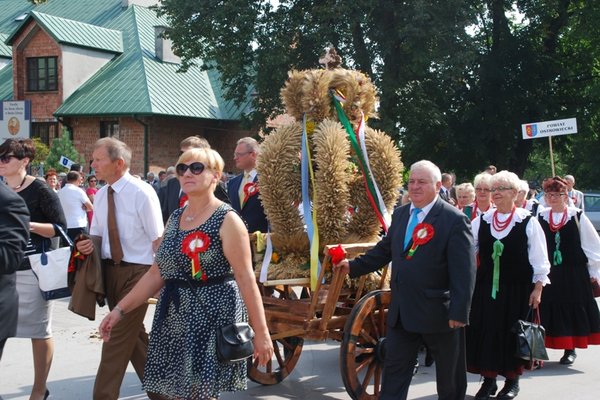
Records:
x=510, y=390
x=487, y=390
x=47, y=394
x=416, y=369
x=428, y=358
x=568, y=358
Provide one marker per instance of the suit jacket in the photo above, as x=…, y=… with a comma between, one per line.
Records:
x=436, y=284
x=87, y=282
x=253, y=212
x=169, y=197
x=14, y=234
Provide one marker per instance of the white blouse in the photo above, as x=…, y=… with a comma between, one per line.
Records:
x=536, y=240
x=590, y=241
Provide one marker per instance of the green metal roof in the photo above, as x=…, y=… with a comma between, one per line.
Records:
x=95, y=12
x=138, y=83
x=6, y=82
x=5, y=50
x=75, y=33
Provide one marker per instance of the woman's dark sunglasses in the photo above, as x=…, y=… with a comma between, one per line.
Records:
x=195, y=167
x=5, y=159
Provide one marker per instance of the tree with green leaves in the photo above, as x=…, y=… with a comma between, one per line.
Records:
x=456, y=78
x=62, y=146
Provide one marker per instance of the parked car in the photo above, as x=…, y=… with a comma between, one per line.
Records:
x=592, y=208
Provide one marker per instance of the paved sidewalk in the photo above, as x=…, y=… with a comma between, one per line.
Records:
x=316, y=377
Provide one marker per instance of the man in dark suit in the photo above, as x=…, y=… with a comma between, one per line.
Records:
x=14, y=234
x=243, y=189
x=431, y=286
x=171, y=197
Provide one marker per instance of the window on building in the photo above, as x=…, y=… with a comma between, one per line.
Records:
x=46, y=131
x=109, y=129
x=42, y=74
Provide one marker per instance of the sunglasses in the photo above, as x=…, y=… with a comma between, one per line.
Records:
x=5, y=159
x=196, y=168
x=92, y=181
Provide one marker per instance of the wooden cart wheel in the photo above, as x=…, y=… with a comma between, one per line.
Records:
x=362, y=349
x=285, y=356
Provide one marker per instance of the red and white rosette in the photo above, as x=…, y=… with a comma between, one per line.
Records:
x=421, y=235
x=250, y=189
x=192, y=245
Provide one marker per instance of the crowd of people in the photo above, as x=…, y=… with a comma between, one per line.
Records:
x=493, y=253
x=529, y=255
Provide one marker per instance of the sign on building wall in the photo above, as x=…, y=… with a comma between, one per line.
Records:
x=549, y=128
x=15, y=119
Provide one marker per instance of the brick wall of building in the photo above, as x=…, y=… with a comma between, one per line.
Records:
x=164, y=136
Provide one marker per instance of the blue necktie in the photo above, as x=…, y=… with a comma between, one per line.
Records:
x=414, y=220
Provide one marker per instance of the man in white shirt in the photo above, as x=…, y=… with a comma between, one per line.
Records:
x=574, y=195
x=75, y=203
x=127, y=251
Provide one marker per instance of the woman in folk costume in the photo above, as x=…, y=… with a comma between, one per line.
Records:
x=465, y=195
x=483, y=196
x=570, y=313
x=512, y=272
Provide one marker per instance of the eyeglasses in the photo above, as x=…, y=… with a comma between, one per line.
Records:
x=5, y=159
x=483, y=190
x=237, y=155
x=500, y=189
x=554, y=195
x=196, y=168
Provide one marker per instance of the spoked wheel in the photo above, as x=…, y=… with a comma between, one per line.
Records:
x=285, y=356
x=362, y=349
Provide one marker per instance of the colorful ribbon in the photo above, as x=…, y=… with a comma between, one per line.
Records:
x=310, y=215
x=498, y=249
x=557, y=254
x=371, y=187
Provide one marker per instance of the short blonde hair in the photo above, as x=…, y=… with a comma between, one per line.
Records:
x=209, y=157
x=466, y=188
x=482, y=178
x=508, y=177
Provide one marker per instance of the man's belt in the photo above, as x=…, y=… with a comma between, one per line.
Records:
x=113, y=263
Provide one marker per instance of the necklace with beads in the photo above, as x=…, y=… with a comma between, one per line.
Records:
x=556, y=227
x=20, y=185
x=500, y=226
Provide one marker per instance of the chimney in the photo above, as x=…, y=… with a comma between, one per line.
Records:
x=163, y=48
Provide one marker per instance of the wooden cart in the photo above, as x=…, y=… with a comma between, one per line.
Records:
x=354, y=317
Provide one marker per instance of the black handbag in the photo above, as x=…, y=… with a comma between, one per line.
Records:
x=234, y=342
x=531, y=338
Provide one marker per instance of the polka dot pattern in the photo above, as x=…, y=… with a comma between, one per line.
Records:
x=182, y=361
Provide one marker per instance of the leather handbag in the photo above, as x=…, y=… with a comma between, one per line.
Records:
x=531, y=338
x=234, y=342
x=51, y=269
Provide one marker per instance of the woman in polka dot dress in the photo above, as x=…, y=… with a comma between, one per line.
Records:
x=198, y=297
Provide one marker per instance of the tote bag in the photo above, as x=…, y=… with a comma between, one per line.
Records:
x=50, y=269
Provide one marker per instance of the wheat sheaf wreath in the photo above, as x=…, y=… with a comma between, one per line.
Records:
x=344, y=212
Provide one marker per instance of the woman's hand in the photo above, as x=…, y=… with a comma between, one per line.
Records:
x=535, y=298
x=109, y=322
x=263, y=348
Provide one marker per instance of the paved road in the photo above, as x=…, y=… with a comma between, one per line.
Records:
x=316, y=376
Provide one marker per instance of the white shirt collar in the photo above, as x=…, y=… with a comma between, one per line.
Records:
x=122, y=182
x=425, y=210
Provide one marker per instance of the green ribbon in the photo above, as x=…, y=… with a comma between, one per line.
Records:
x=557, y=253
x=498, y=249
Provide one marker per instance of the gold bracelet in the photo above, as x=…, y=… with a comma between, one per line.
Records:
x=119, y=310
